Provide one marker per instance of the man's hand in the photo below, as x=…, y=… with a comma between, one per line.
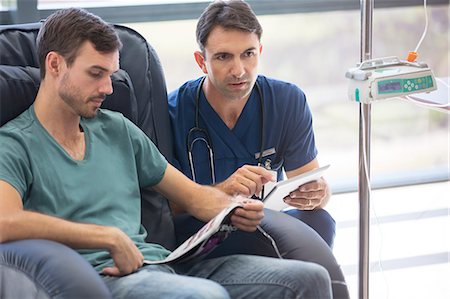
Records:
x=309, y=196
x=248, y=217
x=246, y=181
x=127, y=257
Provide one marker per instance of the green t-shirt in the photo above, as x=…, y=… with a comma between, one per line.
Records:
x=103, y=189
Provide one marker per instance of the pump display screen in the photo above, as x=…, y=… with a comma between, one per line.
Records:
x=389, y=86
x=405, y=85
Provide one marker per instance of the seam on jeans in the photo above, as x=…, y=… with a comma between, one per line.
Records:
x=251, y=282
x=17, y=268
x=338, y=282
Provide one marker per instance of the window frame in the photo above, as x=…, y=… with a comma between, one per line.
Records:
x=27, y=10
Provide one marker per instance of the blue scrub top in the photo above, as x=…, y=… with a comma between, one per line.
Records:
x=288, y=132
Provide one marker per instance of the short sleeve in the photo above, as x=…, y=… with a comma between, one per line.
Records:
x=150, y=163
x=300, y=142
x=14, y=162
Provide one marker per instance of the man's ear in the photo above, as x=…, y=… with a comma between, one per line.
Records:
x=200, y=59
x=53, y=63
x=260, y=48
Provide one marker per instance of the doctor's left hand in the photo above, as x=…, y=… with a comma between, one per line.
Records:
x=249, y=216
x=309, y=196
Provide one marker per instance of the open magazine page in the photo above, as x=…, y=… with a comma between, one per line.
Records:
x=206, y=239
x=274, y=199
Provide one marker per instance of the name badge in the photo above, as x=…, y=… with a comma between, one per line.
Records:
x=265, y=153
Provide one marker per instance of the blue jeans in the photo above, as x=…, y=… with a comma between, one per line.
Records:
x=46, y=269
x=294, y=239
x=237, y=276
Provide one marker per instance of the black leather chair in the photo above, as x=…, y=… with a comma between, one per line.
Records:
x=49, y=269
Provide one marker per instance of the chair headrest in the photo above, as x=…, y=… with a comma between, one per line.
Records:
x=19, y=86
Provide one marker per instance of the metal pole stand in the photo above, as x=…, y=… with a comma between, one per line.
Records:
x=364, y=157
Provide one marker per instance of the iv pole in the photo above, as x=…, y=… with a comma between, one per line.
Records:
x=364, y=157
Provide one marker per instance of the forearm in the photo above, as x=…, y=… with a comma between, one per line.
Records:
x=177, y=208
x=31, y=225
x=208, y=203
x=203, y=202
x=223, y=187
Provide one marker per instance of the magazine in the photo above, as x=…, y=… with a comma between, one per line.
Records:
x=274, y=199
x=205, y=240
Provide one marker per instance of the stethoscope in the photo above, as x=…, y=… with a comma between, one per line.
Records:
x=207, y=140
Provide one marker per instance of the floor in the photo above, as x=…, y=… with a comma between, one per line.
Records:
x=409, y=241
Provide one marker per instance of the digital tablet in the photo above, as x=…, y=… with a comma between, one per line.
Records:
x=274, y=199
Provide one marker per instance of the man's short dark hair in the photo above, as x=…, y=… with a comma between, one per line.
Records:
x=66, y=30
x=231, y=14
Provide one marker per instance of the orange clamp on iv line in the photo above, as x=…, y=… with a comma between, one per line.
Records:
x=412, y=56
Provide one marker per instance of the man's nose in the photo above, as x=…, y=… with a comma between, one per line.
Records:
x=106, y=87
x=238, y=68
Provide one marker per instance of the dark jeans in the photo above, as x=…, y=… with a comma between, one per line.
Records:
x=46, y=269
x=294, y=239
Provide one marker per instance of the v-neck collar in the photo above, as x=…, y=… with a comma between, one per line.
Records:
x=247, y=119
x=56, y=143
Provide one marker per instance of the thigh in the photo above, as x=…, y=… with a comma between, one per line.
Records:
x=160, y=281
x=245, y=276
x=319, y=220
x=35, y=268
x=296, y=240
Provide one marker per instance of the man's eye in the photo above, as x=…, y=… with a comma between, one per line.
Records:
x=249, y=54
x=222, y=56
x=96, y=74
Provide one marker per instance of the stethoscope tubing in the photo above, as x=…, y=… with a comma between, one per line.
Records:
x=207, y=139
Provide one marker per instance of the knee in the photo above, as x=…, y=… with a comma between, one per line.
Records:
x=319, y=220
x=319, y=277
x=297, y=279
x=49, y=269
x=315, y=281
x=206, y=289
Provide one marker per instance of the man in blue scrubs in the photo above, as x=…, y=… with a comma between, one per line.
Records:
x=232, y=125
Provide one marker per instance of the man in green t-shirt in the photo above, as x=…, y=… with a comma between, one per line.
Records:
x=57, y=182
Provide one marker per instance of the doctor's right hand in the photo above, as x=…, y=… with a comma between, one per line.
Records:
x=246, y=181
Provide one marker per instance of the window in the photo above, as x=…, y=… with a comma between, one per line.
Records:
x=52, y=4
x=408, y=141
x=312, y=50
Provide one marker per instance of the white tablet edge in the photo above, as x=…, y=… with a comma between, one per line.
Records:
x=274, y=200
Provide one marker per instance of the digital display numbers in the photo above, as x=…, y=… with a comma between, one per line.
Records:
x=389, y=86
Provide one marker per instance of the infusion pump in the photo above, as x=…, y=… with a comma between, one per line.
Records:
x=388, y=77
